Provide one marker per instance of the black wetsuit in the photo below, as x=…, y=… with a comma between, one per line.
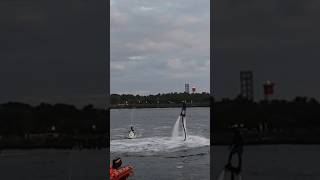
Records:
x=236, y=148
x=183, y=115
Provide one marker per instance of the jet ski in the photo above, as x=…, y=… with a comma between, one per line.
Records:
x=132, y=135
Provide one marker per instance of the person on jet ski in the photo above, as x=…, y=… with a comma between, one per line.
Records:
x=131, y=129
x=131, y=133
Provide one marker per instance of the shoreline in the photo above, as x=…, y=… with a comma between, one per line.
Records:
x=106, y=147
x=98, y=144
x=145, y=106
x=270, y=139
x=45, y=142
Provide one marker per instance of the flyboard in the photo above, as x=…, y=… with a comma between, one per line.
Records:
x=231, y=172
x=227, y=174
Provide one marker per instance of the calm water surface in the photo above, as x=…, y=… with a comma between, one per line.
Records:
x=153, y=153
x=46, y=164
x=274, y=162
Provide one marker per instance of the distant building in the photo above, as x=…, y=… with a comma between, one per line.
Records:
x=193, y=89
x=186, y=88
x=268, y=88
x=246, y=84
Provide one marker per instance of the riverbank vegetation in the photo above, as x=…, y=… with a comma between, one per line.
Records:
x=274, y=121
x=66, y=126
x=46, y=125
x=159, y=100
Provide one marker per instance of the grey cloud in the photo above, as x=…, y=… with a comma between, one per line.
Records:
x=53, y=48
x=160, y=31
x=278, y=40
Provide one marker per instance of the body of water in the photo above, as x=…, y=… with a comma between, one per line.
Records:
x=53, y=164
x=273, y=162
x=154, y=154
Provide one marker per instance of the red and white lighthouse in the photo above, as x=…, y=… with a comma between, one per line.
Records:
x=193, y=89
x=268, y=87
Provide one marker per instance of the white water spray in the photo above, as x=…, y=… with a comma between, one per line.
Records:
x=175, y=131
x=225, y=174
x=221, y=176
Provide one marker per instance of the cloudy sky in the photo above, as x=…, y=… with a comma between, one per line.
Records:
x=277, y=40
x=53, y=51
x=157, y=46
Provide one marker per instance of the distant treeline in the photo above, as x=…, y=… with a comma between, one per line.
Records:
x=65, y=126
x=168, y=99
x=52, y=126
x=295, y=121
x=22, y=119
x=299, y=114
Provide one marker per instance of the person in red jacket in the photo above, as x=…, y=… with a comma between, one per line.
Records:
x=116, y=164
x=119, y=173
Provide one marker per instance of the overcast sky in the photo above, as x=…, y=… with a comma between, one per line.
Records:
x=157, y=46
x=53, y=51
x=277, y=40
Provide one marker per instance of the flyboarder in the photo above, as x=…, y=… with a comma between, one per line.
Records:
x=183, y=116
x=236, y=148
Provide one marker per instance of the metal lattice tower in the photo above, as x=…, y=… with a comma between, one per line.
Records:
x=246, y=84
x=186, y=88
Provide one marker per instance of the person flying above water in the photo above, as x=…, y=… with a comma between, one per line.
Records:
x=183, y=116
x=236, y=148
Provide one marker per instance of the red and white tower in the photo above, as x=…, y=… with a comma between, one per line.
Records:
x=268, y=87
x=193, y=89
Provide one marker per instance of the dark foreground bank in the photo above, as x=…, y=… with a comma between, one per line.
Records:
x=24, y=126
x=60, y=142
x=44, y=164
x=225, y=138
x=276, y=162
